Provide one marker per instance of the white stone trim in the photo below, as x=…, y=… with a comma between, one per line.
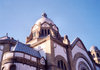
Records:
x=18, y=54
x=59, y=50
x=8, y=55
x=33, y=59
x=1, y=47
x=77, y=49
x=27, y=56
x=0, y=55
x=79, y=60
x=20, y=66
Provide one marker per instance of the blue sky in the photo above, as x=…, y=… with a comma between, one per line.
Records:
x=76, y=18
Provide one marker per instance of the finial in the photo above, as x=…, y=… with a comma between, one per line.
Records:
x=65, y=37
x=7, y=34
x=44, y=15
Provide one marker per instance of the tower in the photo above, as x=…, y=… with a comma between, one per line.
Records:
x=46, y=39
x=95, y=52
x=42, y=28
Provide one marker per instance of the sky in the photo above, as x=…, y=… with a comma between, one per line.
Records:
x=75, y=18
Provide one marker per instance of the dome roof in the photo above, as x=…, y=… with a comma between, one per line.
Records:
x=43, y=19
x=93, y=48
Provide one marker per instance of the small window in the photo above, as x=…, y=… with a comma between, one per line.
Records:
x=12, y=67
x=93, y=56
x=45, y=32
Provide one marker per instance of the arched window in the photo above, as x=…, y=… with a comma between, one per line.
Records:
x=12, y=67
x=45, y=32
x=61, y=65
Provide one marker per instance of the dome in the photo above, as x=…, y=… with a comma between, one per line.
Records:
x=93, y=48
x=43, y=19
x=44, y=27
x=45, y=22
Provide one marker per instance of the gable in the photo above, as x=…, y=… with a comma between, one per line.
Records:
x=79, y=43
x=45, y=25
x=78, y=48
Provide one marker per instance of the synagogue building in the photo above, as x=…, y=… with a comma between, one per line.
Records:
x=46, y=49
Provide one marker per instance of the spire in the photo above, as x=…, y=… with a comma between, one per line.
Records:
x=44, y=15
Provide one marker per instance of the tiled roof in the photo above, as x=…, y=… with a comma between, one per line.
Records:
x=26, y=49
